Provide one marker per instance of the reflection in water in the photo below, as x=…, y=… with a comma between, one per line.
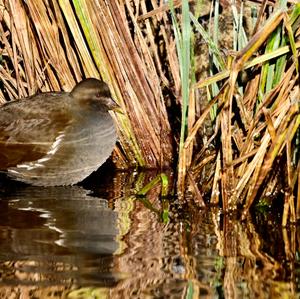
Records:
x=52, y=236
x=65, y=243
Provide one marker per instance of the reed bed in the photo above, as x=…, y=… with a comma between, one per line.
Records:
x=256, y=139
x=147, y=52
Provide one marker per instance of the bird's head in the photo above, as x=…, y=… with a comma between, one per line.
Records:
x=95, y=93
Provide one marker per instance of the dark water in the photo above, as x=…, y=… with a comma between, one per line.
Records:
x=72, y=242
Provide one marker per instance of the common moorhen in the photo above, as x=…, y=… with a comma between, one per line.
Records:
x=57, y=138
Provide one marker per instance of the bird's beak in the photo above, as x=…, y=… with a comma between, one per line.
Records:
x=114, y=106
x=118, y=110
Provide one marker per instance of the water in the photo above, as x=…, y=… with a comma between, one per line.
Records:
x=102, y=242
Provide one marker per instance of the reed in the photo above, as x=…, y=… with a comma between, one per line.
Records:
x=258, y=120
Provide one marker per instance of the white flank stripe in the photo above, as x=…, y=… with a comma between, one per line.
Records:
x=39, y=162
x=55, y=144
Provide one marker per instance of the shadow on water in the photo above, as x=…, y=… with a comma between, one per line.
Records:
x=99, y=241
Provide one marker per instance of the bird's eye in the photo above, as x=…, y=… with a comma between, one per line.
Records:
x=98, y=95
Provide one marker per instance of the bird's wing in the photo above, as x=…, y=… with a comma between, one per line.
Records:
x=31, y=130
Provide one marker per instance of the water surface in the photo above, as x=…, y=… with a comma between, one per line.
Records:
x=100, y=241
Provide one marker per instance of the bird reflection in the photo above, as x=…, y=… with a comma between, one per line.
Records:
x=62, y=225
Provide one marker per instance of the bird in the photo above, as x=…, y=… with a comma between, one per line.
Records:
x=58, y=138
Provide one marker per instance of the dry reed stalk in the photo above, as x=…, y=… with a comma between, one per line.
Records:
x=199, y=166
x=227, y=178
x=159, y=10
x=191, y=122
x=257, y=40
x=198, y=200
x=215, y=192
x=298, y=193
x=182, y=171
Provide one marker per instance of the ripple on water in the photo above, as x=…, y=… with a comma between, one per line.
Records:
x=65, y=243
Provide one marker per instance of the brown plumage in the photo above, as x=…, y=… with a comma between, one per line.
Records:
x=57, y=138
